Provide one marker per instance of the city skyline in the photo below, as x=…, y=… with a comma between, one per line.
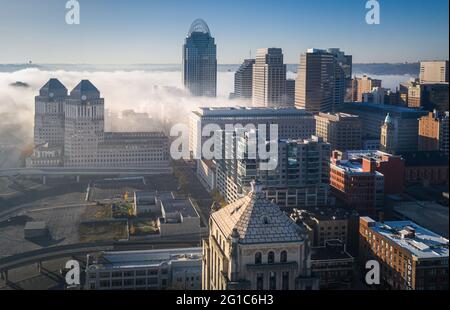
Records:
x=151, y=33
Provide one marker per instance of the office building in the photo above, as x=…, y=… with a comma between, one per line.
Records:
x=388, y=139
x=433, y=132
x=432, y=72
x=410, y=256
x=200, y=61
x=85, y=142
x=342, y=131
x=426, y=168
x=292, y=122
x=315, y=84
x=173, y=269
x=343, y=74
x=333, y=265
x=357, y=184
x=435, y=97
x=428, y=96
x=49, y=115
x=207, y=174
x=392, y=167
x=373, y=116
x=174, y=215
x=300, y=178
x=377, y=95
x=253, y=245
x=84, y=125
x=290, y=93
x=363, y=85
x=329, y=223
x=269, y=78
x=243, y=80
x=428, y=214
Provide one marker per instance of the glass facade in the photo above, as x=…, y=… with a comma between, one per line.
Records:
x=200, y=61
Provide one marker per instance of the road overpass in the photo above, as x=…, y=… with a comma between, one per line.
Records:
x=50, y=253
x=63, y=171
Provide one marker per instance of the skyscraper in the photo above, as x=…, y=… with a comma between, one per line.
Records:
x=343, y=75
x=49, y=114
x=200, y=61
x=290, y=93
x=315, y=84
x=243, y=80
x=269, y=78
x=84, y=125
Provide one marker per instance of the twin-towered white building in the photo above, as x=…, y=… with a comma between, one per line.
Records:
x=69, y=131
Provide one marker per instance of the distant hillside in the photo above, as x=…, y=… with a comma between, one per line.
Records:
x=373, y=69
x=379, y=69
x=388, y=69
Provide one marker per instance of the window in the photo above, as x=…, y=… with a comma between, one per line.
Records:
x=258, y=258
x=272, y=281
x=260, y=281
x=285, y=281
x=283, y=257
x=271, y=257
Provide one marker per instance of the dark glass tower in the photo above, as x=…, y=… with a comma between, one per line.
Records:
x=243, y=80
x=200, y=61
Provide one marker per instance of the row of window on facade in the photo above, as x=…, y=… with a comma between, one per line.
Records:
x=270, y=257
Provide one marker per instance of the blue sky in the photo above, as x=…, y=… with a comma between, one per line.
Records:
x=152, y=31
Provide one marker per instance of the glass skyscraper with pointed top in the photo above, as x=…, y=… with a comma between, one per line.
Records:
x=200, y=61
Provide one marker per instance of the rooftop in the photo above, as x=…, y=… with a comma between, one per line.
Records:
x=385, y=108
x=53, y=88
x=35, y=225
x=337, y=116
x=322, y=214
x=182, y=205
x=248, y=111
x=147, y=258
x=353, y=166
x=425, y=158
x=422, y=244
x=257, y=220
x=428, y=214
x=199, y=25
x=333, y=250
x=85, y=90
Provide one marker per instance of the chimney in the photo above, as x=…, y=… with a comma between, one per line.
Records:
x=369, y=165
x=381, y=217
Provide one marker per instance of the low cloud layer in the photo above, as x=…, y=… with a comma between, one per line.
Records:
x=158, y=93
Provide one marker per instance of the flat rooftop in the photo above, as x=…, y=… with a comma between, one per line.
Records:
x=249, y=111
x=142, y=259
x=425, y=243
x=353, y=166
x=173, y=204
x=334, y=252
x=35, y=226
x=385, y=108
x=323, y=214
x=428, y=214
x=373, y=154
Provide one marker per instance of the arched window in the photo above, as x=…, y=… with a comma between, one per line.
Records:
x=258, y=258
x=271, y=257
x=283, y=257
